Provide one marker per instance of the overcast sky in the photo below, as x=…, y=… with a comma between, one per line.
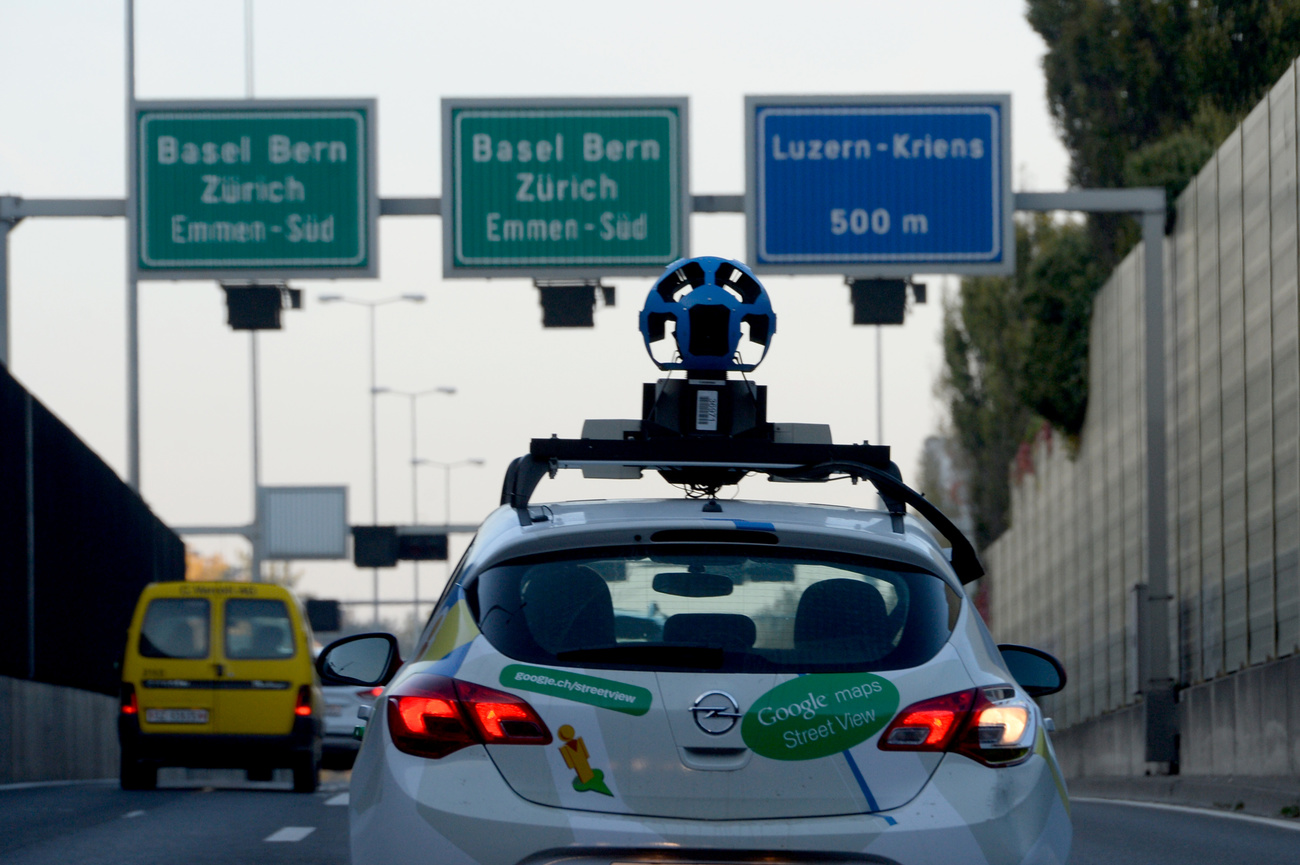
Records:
x=62, y=134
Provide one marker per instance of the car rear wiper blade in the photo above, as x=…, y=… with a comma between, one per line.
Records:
x=649, y=655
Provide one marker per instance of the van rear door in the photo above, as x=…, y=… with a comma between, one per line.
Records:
x=176, y=687
x=263, y=666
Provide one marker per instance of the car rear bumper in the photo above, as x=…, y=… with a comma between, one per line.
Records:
x=459, y=811
x=210, y=751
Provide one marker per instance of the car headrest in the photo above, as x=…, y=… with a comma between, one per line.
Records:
x=843, y=609
x=567, y=607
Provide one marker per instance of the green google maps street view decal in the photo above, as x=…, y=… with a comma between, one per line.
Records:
x=818, y=715
x=602, y=693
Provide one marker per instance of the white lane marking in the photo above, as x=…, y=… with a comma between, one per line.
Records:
x=340, y=799
x=1293, y=825
x=129, y=814
x=29, y=785
x=290, y=833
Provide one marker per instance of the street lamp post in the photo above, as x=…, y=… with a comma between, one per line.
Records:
x=446, y=490
x=374, y=395
x=415, y=463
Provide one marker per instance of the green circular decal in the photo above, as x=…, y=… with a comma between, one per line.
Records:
x=818, y=715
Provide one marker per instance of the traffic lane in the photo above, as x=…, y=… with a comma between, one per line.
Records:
x=1117, y=833
x=99, y=824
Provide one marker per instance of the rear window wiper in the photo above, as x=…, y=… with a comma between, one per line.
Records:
x=648, y=655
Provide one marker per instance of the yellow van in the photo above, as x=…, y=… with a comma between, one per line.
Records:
x=219, y=675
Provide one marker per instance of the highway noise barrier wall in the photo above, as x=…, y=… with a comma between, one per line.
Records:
x=1064, y=576
x=76, y=547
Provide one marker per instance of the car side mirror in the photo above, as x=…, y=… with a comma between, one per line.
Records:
x=1034, y=670
x=362, y=659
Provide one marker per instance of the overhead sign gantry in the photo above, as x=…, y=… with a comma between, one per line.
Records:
x=256, y=189
x=564, y=188
x=879, y=185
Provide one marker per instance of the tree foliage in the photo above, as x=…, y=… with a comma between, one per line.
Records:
x=1015, y=354
x=1143, y=91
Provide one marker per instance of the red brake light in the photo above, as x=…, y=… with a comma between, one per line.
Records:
x=928, y=725
x=990, y=725
x=303, y=707
x=370, y=693
x=129, y=705
x=432, y=716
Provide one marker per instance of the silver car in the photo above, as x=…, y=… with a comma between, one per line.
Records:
x=696, y=680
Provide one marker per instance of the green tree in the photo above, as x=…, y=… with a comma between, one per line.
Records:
x=1016, y=354
x=1060, y=280
x=1143, y=91
x=984, y=336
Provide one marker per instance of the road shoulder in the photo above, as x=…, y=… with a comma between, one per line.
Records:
x=1263, y=796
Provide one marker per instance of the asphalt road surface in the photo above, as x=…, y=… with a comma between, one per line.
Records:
x=1113, y=833
x=205, y=819
x=220, y=818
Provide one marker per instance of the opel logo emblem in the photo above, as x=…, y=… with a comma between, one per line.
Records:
x=716, y=712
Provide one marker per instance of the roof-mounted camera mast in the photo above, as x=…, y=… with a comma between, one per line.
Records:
x=706, y=431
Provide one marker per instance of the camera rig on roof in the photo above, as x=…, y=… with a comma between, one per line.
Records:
x=707, y=431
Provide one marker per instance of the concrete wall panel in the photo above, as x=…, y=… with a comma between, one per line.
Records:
x=1211, y=425
x=1074, y=550
x=1187, y=467
x=1233, y=402
x=52, y=733
x=1286, y=361
x=1258, y=354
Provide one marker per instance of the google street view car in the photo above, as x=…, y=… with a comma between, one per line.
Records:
x=694, y=680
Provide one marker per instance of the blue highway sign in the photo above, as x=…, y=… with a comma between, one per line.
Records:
x=879, y=186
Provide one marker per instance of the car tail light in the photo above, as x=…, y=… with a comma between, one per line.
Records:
x=990, y=725
x=929, y=725
x=432, y=716
x=303, y=707
x=129, y=706
x=370, y=693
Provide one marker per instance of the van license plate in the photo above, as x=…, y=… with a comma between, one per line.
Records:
x=176, y=716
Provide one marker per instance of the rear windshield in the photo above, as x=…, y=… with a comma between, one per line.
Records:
x=258, y=630
x=684, y=607
x=175, y=628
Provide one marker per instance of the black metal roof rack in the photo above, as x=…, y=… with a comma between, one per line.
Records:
x=719, y=461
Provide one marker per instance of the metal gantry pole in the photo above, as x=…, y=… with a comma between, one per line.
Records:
x=880, y=385
x=415, y=511
x=6, y=223
x=1160, y=710
x=248, y=48
x=256, y=535
x=132, y=280
x=1158, y=689
x=255, y=566
x=374, y=457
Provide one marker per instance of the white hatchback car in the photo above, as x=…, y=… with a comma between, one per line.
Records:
x=822, y=690
x=701, y=681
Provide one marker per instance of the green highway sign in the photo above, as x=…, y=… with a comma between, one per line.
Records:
x=255, y=189
x=556, y=188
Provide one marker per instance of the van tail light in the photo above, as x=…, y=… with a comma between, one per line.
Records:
x=129, y=706
x=990, y=725
x=303, y=707
x=432, y=716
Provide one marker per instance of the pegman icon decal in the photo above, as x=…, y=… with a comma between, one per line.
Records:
x=574, y=751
